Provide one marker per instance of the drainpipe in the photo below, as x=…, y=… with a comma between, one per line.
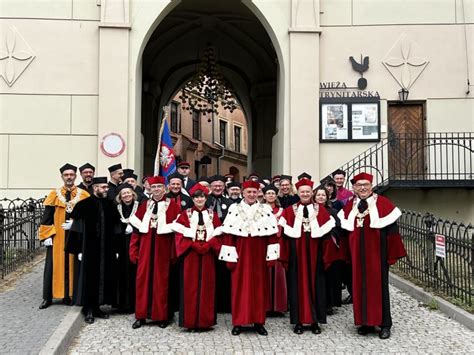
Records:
x=220, y=157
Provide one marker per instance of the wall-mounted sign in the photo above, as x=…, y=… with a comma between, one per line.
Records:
x=440, y=242
x=112, y=145
x=349, y=120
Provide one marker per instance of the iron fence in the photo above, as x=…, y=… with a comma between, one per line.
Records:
x=19, y=223
x=451, y=275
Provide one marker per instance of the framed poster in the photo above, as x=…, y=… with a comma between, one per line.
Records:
x=334, y=121
x=349, y=119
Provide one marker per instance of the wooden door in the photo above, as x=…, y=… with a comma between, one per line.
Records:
x=406, y=153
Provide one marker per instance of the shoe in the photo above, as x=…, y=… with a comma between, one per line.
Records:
x=315, y=328
x=384, y=333
x=260, y=329
x=298, y=329
x=365, y=329
x=67, y=301
x=347, y=300
x=236, y=330
x=89, y=318
x=330, y=311
x=163, y=324
x=138, y=323
x=100, y=314
x=45, y=304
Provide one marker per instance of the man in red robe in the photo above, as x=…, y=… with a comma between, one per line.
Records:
x=152, y=248
x=196, y=248
x=305, y=227
x=250, y=245
x=375, y=243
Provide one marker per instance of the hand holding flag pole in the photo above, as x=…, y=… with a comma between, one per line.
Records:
x=165, y=161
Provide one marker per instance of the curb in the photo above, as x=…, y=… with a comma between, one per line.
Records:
x=452, y=311
x=60, y=340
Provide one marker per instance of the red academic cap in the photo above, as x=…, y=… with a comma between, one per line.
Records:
x=304, y=182
x=199, y=187
x=250, y=184
x=183, y=164
x=156, y=180
x=362, y=176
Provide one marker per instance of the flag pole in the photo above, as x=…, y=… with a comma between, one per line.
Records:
x=160, y=133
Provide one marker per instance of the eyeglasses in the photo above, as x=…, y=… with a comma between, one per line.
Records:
x=362, y=185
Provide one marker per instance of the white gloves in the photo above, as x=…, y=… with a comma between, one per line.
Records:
x=67, y=225
x=129, y=229
x=79, y=256
x=48, y=242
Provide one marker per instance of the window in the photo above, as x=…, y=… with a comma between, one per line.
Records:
x=196, y=125
x=175, y=126
x=223, y=133
x=237, y=135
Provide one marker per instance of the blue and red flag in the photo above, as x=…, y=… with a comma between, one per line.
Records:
x=165, y=161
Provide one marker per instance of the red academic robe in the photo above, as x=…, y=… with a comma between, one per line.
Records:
x=153, y=249
x=251, y=232
x=198, y=267
x=305, y=254
x=374, y=246
x=278, y=300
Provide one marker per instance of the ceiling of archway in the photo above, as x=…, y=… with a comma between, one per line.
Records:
x=244, y=50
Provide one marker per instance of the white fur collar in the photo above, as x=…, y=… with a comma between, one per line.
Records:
x=144, y=224
x=317, y=231
x=375, y=220
x=245, y=220
x=190, y=232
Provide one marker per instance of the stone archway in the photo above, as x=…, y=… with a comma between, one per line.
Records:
x=247, y=59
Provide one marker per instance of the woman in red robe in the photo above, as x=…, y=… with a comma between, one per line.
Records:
x=152, y=248
x=304, y=226
x=278, y=303
x=196, y=249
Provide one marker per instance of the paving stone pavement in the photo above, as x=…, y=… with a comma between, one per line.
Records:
x=416, y=330
x=24, y=329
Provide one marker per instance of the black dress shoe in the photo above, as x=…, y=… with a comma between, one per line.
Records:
x=138, y=323
x=260, y=329
x=100, y=314
x=347, y=300
x=45, y=304
x=365, y=329
x=236, y=330
x=315, y=328
x=384, y=333
x=163, y=324
x=89, y=318
x=298, y=329
x=67, y=301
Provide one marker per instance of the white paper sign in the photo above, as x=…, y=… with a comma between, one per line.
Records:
x=440, y=243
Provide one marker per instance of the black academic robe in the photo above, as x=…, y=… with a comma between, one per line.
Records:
x=126, y=271
x=140, y=194
x=220, y=205
x=182, y=200
x=288, y=200
x=89, y=188
x=236, y=200
x=92, y=234
x=112, y=191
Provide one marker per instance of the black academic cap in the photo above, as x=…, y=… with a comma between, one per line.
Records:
x=115, y=168
x=253, y=174
x=326, y=180
x=338, y=172
x=129, y=175
x=270, y=187
x=86, y=166
x=233, y=184
x=99, y=180
x=286, y=177
x=260, y=181
x=203, y=178
x=217, y=178
x=67, y=166
x=175, y=176
x=124, y=186
x=304, y=175
x=128, y=171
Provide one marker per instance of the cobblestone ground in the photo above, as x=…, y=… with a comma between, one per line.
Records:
x=416, y=330
x=24, y=329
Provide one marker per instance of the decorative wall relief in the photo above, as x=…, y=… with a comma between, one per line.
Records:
x=404, y=61
x=15, y=56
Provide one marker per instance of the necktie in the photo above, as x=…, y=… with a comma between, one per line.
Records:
x=201, y=219
x=218, y=207
x=362, y=206
x=305, y=212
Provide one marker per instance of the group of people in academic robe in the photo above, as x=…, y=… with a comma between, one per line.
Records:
x=255, y=249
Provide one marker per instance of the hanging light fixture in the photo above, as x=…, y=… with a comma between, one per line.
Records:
x=207, y=88
x=403, y=94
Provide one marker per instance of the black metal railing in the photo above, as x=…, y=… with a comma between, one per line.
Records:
x=418, y=160
x=451, y=275
x=19, y=223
